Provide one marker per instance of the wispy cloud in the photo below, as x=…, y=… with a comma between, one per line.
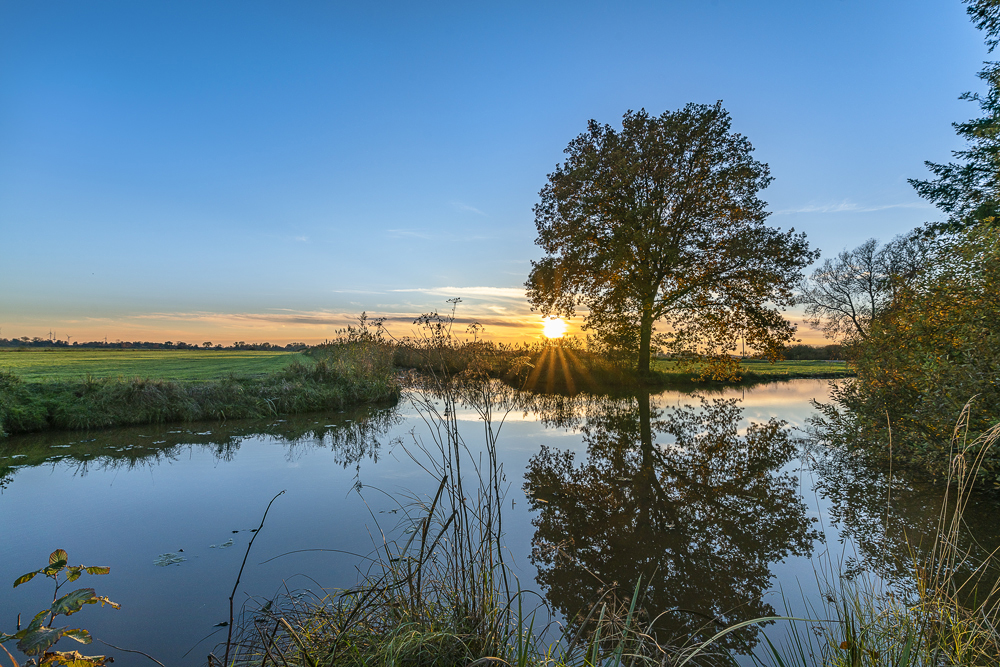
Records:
x=465, y=207
x=407, y=234
x=471, y=292
x=849, y=207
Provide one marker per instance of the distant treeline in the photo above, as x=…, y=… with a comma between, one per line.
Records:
x=37, y=341
x=803, y=352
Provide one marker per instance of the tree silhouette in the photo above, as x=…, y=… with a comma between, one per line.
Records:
x=661, y=221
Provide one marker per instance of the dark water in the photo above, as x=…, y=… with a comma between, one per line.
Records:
x=718, y=508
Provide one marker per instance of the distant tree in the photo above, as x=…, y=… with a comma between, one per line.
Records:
x=846, y=292
x=661, y=221
x=800, y=352
x=207, y=344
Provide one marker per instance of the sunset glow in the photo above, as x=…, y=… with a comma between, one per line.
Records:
x=554, y=328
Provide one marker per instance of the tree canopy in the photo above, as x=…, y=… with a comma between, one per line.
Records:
x=968, y=189
x=661, y=221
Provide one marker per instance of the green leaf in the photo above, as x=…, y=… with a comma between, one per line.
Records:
x=58, y=555
x=73, y=602
x=37, y=622
x=34, y=643
x=54, y=569
x=97, y=570
x=73, y=573
x=24, y=578
x=79, y=635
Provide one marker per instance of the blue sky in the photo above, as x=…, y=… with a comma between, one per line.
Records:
x=266, y=170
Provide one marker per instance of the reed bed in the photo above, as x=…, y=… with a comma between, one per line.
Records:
x=948, y=614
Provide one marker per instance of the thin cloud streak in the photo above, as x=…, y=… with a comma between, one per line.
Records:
x=471, y=292
x=465, y=207
x=848, y=207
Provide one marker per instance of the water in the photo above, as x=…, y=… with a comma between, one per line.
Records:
x=722, y=514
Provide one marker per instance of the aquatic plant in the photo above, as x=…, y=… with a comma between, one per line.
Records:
x=38, y=637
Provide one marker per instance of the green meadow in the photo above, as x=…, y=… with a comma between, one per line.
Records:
x=753, y=369
x=61, y=365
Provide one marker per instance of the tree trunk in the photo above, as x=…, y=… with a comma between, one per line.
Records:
x=645, y=477
x=645, y=336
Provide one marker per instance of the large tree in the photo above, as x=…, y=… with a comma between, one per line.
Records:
x=661, y=221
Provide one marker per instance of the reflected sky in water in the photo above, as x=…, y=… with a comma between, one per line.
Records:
x=715, y=507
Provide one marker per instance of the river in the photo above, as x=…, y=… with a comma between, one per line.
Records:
x=724, y=512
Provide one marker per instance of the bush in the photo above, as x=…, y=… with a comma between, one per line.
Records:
x=935, y=349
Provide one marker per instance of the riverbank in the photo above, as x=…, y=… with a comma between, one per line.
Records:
x=334, y=376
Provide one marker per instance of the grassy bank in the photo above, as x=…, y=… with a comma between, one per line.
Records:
x=755, y=370
x=69, y=364
x=335, y=375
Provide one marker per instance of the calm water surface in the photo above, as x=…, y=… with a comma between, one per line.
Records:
x=707, y=499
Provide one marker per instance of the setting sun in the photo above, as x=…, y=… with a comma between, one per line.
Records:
x=554, y=328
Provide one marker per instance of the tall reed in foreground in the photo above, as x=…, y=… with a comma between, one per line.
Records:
x=441, y=591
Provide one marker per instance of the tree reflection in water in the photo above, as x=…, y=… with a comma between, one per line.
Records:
x=890, y=519
x=678, y=499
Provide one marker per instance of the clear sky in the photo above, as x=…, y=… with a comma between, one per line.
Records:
x=267, y=170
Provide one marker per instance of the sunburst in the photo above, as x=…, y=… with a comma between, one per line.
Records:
x=554, y=327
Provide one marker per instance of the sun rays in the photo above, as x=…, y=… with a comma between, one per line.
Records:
x=558, y=365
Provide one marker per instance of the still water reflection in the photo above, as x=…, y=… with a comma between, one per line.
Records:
x=713, y=502
x=678, y=499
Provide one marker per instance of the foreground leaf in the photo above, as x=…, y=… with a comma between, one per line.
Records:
x=74, y=659
x=73, y=602
x=79, y=635
x=42, y=638
x=25, y=578
x=58, y=555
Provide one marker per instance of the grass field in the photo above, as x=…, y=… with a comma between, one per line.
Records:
x=753, y=369
x=58, y=365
